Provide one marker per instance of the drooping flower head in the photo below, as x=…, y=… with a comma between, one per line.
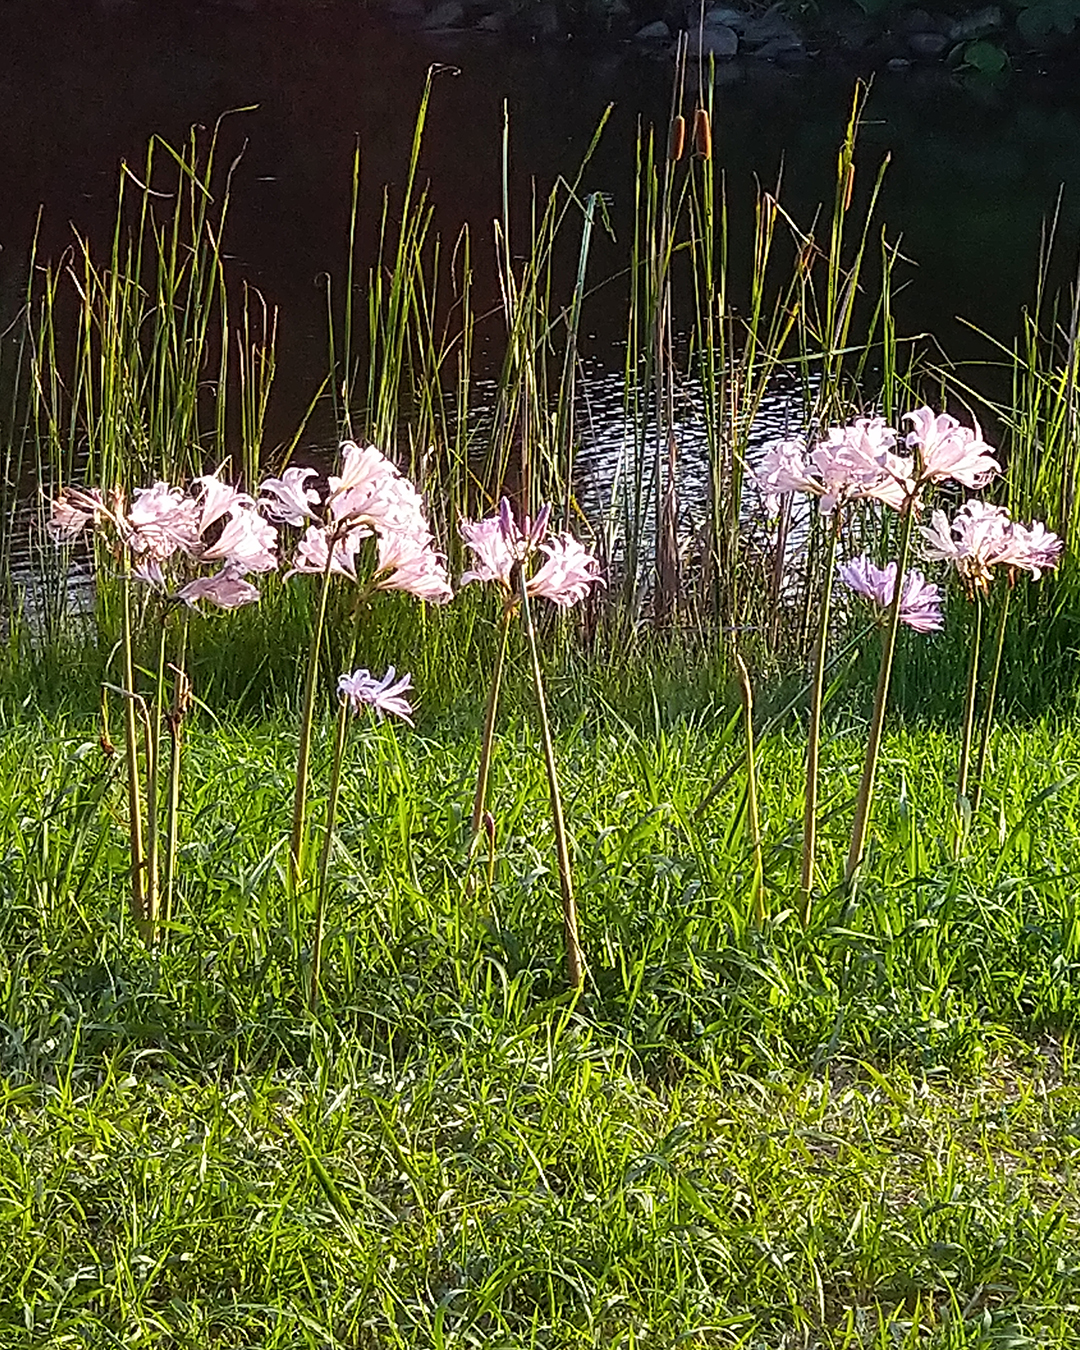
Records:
x=224, y=590
x=981, y=537
x=362, y=689
x=920, y=600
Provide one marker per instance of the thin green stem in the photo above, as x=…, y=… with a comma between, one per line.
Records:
x=484, y=769
x=865, y=801
x=180, y=703
x=131, y=746
x=303, y=751
x=575, y=961
x=340, y=737
x=753, y=819
x=991, y=698
x=813, y=745
x=969, y=722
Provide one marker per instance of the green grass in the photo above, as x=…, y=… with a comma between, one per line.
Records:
x=860, y=1136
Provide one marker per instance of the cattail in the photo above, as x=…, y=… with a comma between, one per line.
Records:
x=702, y=134
x=677, y=139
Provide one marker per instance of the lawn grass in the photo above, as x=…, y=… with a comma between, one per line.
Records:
x=859, y=1136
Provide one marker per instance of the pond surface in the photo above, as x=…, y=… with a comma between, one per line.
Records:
x=972, y=176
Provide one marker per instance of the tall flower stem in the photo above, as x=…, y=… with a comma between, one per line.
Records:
x=340, y=738
x=753, y=819
x=131, y=746
x=303, y=750
x=969, y=721
x=991, y=697
x=181, y=701
x=865, y=801
x=575, y=961
x=484, y=769
x=813, y=744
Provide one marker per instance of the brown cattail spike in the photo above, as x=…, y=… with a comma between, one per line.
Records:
x=677, y=140
x=702, y=134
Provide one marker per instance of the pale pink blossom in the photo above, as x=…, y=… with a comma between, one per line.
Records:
x=288, y=501
x=362, y=689
x=162, y=521
x=246, y=543
x=498, y=543
x=1033, y=548
x=225, y=589
x=493, y=558
x=920, y=600
x=217, y=499
x=856, y=461
x=569, y=573
x=981, y=537
x=975, y=541
x=73, y=510
x=407, y=562
x=372, y=493
x=947, y=450
x=313, y=552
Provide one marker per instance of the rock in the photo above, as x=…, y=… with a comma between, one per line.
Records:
x=927, y=45
x=449, y=14
x=721, y=18
x=653, y=32
x=971, y=26
x=779, y=48
x=767, y=27
x=492, y=23
x=717, y=41
x=898, y=63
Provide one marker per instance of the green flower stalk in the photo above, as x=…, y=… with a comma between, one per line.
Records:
x=757, y=893
x=813, y=744
x=575, y=960
x=991, y=698
x=969, y=720
x=502, y=553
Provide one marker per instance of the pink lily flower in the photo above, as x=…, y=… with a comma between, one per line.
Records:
x=287, y=500
x=225, y=590
x=920, y=600
x=362, y=689
x=948, y=450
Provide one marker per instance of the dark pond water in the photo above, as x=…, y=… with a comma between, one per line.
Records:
x=973, y=172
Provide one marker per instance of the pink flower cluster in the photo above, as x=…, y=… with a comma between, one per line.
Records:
x=981, y=537
x=860, y=461
x=370, y=497
x=498, y=544
x=164, y=529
